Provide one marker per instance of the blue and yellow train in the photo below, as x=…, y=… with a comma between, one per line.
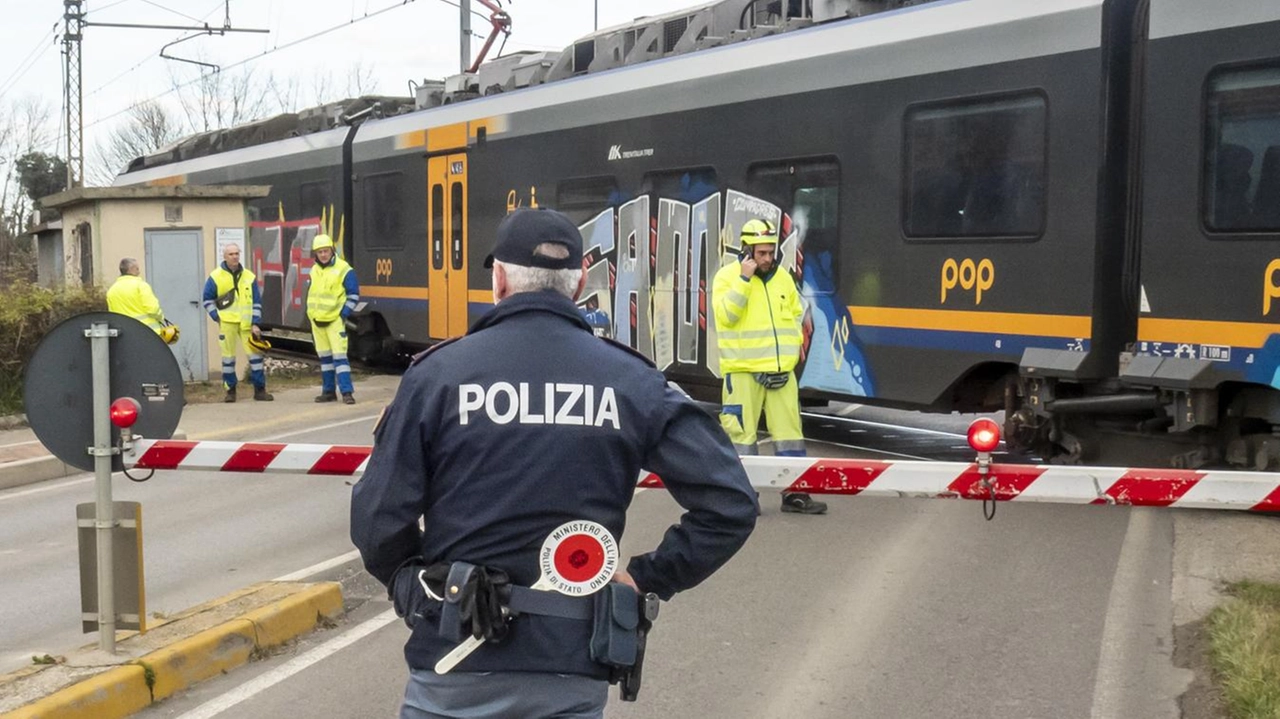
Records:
x=1068, y=210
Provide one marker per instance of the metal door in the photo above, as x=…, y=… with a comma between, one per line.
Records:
x=175, y=270
x=447, y=245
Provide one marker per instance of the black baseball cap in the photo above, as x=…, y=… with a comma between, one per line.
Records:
x=520, y=233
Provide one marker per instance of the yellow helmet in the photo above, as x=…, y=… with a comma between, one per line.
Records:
x=258, y=344
x=759, y=232
x=169, y=333
x=320, y=242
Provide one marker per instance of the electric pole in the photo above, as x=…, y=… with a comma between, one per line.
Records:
x=73, y=77
x=464, y=6
x=71, y=90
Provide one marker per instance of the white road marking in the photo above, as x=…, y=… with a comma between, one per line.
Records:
x=273, y=677
x=319, y=567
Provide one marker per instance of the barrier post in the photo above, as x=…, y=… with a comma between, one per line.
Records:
x=100, y=337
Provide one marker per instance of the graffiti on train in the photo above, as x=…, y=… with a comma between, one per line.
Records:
x=650, y=268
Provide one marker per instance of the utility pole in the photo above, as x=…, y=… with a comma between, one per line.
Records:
x=73, y=77
x=464, y=6
x=73, y=14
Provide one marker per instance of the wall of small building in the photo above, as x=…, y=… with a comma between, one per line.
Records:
x=122, y=231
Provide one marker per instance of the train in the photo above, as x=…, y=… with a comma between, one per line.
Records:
x=1067, y=211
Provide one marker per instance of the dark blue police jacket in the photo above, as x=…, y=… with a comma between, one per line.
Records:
x=528, y=422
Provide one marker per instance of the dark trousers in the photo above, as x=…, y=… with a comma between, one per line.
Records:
x=503, y=695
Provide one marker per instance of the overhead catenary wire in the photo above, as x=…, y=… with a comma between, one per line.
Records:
x=259, y=56
x=152, y=55
x=28, y=62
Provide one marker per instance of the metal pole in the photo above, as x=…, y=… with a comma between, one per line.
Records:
x=100, y=334
x=464, y=6
x=596, y=26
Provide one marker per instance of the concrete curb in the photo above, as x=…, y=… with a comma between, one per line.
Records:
x=39, y=469
x=127, y=689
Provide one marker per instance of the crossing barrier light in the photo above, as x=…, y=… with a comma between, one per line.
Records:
x=124, y=412
x=984, y=435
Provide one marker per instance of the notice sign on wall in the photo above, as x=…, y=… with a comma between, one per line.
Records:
x=224, y=236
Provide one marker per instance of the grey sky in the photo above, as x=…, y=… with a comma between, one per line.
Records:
x=409, y=42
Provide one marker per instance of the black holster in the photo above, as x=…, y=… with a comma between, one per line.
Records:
x=475, y=603
x=622, y=620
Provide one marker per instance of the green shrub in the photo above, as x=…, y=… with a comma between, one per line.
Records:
x=27, y=313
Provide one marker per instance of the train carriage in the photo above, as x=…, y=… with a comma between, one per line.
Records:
x=989, y=204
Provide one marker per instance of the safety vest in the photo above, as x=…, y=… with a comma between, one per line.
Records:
x=757, y=321
x=327, y=295
x=130, y=296
x=241, y=309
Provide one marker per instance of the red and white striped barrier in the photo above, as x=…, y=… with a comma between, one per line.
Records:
x=1252, y=491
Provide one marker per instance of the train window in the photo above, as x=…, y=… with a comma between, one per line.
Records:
x=809, y=191
x=383, y=212
x=592, y=194
x=687, y=185
x=455, y=242
x=437, y=227
x=1242, y=155
x=313, y=198
x=976, y=168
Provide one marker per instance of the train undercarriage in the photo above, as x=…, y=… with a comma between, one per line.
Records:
x=1111, y=423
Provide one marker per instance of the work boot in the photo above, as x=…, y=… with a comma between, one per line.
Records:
x=801, y=503
x=262, y=395
x=231, y=395
x=327, y=397
x=347, y=398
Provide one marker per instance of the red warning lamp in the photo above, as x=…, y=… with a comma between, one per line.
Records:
x=984, y=435
x=124, y=412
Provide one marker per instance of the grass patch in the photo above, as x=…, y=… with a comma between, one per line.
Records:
x=1244, y=649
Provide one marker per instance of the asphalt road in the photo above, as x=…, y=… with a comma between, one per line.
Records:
x=883, y=608
x=204, y=534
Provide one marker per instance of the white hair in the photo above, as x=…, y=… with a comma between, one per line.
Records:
x=521, y=278
x=533, y=279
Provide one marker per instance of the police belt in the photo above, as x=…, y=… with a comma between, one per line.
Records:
x=479, y=602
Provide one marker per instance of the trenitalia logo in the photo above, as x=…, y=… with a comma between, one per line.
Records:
x=617, y=153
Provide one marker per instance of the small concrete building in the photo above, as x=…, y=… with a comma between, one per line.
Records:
x=175, y=232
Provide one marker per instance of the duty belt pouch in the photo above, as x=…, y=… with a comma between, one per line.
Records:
x=453, y=625
x=773, y=380
x=614, y=639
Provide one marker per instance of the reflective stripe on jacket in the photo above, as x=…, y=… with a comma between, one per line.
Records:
x=242, y=309
x=757, y=321
x=131, y=296
x=328, y=294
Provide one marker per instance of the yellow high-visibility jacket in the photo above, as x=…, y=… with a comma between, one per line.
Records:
x=758, y=322
x=244, y=309
x=131, y=296
x=328, y=292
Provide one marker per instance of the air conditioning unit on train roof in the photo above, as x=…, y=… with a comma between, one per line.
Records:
x=703, y=26
x=503, y=74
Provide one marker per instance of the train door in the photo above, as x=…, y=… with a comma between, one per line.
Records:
x=447, y=235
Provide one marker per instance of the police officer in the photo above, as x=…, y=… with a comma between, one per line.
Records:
x=495, y=439
x=332, y=297
x=232, y=300
x=131, y=295
x=758, y=327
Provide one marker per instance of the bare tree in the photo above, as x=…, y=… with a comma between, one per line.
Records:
x=217, y=100
x=360, y=80
x=25, y=127
x=149, y=127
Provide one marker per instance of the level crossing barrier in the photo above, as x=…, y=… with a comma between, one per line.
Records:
x=978, y=480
